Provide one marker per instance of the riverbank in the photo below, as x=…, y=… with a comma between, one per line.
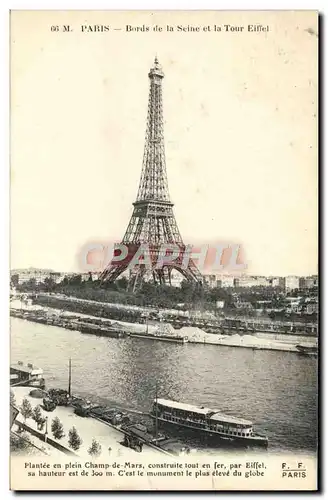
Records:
x=88, y=429
x=205, y=320
x=122, y=373
x=107, y=327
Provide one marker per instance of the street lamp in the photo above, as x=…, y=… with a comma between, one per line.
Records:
x=46, y=430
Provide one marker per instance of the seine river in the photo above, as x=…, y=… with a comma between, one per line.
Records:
x=276, y=390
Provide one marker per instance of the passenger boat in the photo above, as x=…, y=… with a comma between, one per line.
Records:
x=29, y=375
x=207, y=422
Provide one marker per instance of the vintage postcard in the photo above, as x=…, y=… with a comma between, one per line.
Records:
x=164, y=250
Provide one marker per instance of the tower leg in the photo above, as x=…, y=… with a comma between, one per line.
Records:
x=136, y=278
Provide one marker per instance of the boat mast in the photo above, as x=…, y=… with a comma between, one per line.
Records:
x=147, y=323
x=69, y=376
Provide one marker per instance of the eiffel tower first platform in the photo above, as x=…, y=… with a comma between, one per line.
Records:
x=153, y=222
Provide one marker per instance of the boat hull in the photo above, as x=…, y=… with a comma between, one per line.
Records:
x=212, y=438
x=101, y=332
x=309, y=351
x=39, y=383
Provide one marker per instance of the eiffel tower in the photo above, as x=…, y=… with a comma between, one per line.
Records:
x=153, y=220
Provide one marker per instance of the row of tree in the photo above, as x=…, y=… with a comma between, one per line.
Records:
x=57, y=429
x=188, y=295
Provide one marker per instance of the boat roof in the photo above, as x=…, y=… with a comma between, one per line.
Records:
x=220, y=417
x=214, y=414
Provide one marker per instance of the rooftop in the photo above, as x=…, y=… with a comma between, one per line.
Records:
x=32, y=370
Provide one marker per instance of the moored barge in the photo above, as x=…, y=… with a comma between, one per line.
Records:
x=307, y=350
x=179, y=339
x=163, y=332
x=107, y=331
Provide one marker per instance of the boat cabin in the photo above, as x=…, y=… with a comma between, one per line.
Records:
x=24, y=373
x=201, y=418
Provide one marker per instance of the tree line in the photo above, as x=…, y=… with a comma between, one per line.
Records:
x=57, y=428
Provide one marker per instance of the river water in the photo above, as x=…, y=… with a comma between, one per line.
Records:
x=276, y=390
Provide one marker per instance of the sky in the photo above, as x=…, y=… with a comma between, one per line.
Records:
x=240, y=125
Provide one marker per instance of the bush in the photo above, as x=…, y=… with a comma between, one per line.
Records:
x=74, y=439
x=95, y=449
x=38, y=417
x=12, y=398
x=19, y=443
x=26, y=409
x=57, y=428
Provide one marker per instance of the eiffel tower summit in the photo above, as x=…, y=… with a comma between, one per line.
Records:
x=153, y=225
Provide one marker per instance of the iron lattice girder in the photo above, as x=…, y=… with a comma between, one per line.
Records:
x=152, y=255
x=153, y=220
x=153, y=182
